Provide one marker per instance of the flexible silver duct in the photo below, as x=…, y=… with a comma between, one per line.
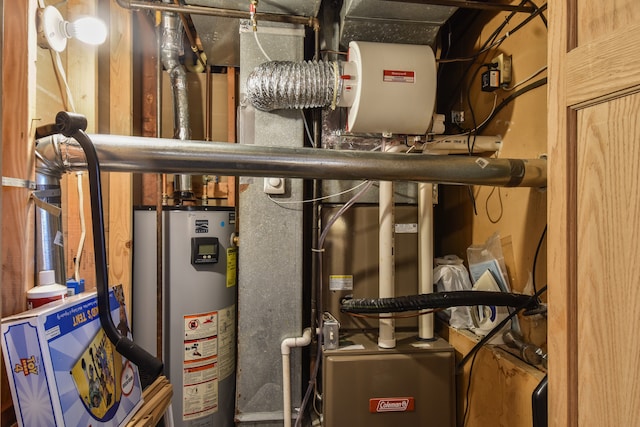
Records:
x=58, y=155
x=285, y=84
x=170, y=53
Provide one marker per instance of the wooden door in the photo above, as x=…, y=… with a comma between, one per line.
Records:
x=594, y=212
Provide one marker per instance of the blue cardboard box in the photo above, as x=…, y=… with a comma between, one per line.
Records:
x=62, y=369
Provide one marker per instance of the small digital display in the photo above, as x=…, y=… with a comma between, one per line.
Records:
x=207, y=250
x=204, y=250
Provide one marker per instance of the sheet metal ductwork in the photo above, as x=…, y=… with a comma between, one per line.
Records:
x=170, y=54
x=220, y=36
x=385, y=21
x=364, y=20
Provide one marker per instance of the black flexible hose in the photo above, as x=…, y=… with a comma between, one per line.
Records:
x=436, y=300
x=150, y=367
x=527, y=305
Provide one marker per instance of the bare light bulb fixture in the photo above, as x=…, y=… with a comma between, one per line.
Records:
x=54, y=30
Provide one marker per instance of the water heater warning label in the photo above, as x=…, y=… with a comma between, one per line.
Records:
x=399, y=76
x=200, y=373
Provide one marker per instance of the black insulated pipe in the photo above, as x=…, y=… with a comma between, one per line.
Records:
x=437, y=300
x=73, y=125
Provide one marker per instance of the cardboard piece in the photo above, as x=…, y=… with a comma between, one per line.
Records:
x=62, y=369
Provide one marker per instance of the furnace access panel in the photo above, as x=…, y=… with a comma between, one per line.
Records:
x=410, y=385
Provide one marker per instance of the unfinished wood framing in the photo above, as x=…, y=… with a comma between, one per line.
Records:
x=120, y=217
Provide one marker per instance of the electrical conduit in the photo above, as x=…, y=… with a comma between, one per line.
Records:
x=285, y=349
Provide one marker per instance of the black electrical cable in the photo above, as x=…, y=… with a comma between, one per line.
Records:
x=491, y=41
x=466, y=404
x=532, y=299
x=507, y=100
x=542, y=17
x=488, y=46
x=486, y=207
x=535, y=258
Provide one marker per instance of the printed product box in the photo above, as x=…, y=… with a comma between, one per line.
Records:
x=62, y=368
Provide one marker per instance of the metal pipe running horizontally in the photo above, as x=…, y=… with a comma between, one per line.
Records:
x=309, y=21
x=58, y=154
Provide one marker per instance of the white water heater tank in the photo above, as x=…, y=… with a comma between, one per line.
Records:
x=388, y=88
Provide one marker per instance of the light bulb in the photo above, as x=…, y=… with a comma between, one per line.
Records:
x=54, y=31
x=89, y=30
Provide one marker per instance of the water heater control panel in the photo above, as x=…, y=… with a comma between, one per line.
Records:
x=204, y=250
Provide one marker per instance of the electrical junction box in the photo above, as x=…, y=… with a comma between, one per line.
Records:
x=62, y=369
x=412, y=385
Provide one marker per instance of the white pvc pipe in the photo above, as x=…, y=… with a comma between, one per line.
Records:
x=387, y=335
x=425, y=254
x=285, y=349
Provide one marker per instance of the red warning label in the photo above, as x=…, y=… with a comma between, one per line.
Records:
x=391, y=404
x=399, y=76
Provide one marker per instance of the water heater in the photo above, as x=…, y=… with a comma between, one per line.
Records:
x=199, y=314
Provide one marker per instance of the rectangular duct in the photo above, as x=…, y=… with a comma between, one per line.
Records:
x=221, y=36
x=391, y=22
x=270, y=277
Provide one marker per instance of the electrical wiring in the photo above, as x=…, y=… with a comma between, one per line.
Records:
x=486, y=206
x=306, y=128
x=525, y=80
x=317, y=199
x=489, y=116
x=497, y=328
x=61, y=75
x=474, y=351
x=468, y=393
x=535, y=258
x=514, y=95
x=83, y=228
x=542, y=17
x=318, y=251
x=495, y=43
x=255, y=35
x=491, y=40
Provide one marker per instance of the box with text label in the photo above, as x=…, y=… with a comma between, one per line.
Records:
x=62, y=368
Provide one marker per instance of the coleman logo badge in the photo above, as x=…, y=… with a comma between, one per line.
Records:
x=391, y=404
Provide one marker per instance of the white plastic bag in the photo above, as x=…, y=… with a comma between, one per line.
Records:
x=450, y=274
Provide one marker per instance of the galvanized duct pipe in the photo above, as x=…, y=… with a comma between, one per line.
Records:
x=285, y=84
x=49, y=242
x=170, y=53
x=137, y=154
